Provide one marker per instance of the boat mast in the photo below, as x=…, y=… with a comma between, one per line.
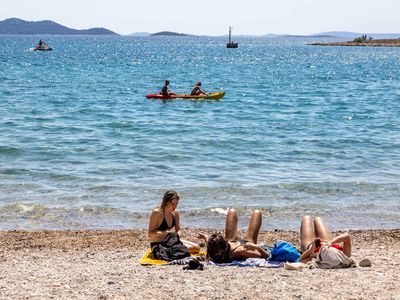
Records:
x=230, y=43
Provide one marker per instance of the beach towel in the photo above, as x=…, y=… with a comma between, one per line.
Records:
x=250, y=262
x=331, y=258
x=191, y=263
x=187, y=260
x=148, y=259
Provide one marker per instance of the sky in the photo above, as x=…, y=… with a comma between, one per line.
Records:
x=213, y=17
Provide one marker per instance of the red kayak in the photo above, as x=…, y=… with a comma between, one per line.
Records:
x=209, y=96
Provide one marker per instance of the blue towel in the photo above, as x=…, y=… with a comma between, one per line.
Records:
x=284, y=251
x=250, y=262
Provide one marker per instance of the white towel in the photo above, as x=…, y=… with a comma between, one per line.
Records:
x=331, y=258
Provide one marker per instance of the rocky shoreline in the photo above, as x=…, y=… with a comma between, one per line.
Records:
x=368, y=43
x=103, y=264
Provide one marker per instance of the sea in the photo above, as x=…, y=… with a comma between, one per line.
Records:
x=302, y=130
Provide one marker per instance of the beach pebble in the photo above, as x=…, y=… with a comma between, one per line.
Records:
x=111, y=273
x=365, y=263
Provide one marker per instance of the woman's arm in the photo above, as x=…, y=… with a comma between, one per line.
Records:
x=306, y=256
x=203, y=236
x=249, y=250
x=177, y=222
x=256, y=248
x=345, y=239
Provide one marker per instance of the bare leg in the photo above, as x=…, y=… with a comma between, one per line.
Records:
x=321, y=231
x=254, y=227
x=193, y=248
x=306, y=233
x=231, y=232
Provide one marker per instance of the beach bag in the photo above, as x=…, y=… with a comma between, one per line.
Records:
x=284, y=252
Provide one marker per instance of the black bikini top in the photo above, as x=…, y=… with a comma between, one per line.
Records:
x=164, y=225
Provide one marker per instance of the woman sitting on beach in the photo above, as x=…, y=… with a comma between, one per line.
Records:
x=225, y=249
x=165, y=220
x=315, y=236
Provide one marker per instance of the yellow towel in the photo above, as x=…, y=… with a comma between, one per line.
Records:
x=148, y=258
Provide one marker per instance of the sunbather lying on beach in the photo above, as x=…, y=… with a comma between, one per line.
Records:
x=165, y=219
x=225, y=249
x=315, y=235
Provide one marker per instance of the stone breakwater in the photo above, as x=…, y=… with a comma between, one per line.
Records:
x=369, y=43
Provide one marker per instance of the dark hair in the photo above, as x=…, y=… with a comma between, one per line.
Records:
x=199, y=83
x=168, y=197
x=166, y=82
x=218, y=249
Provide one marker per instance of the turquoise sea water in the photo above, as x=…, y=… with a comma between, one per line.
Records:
x=302, y=130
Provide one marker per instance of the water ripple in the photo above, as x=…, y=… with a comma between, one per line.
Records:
x=301, y=129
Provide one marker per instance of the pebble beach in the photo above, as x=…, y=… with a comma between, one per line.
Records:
x=103, y=264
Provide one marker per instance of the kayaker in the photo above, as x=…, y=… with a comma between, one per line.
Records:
x=40, y=44
x=164, y=91
x=196, y=91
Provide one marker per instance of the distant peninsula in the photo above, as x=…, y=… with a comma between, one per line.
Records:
x=18, y=26
x=169, y=33
x=364, y=43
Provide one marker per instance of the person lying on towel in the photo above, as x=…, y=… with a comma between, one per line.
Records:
x=222, y=249
x=318, y=246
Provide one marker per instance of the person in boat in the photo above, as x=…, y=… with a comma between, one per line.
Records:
x=224, y=249
x=39, y=45
x=42, y=45
x=314, y=236
x=197, y=91
x=164, y=91
x=165, y=220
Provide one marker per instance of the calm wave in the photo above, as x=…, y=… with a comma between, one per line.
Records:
x=302, y=129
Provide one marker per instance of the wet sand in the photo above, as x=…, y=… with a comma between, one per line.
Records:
x=103, y=265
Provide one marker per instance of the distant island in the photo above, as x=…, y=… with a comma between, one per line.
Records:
x=364, y=41
x=169, y=33
x=18, y=26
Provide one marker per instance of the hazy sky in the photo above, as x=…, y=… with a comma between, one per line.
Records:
x=212, y=17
